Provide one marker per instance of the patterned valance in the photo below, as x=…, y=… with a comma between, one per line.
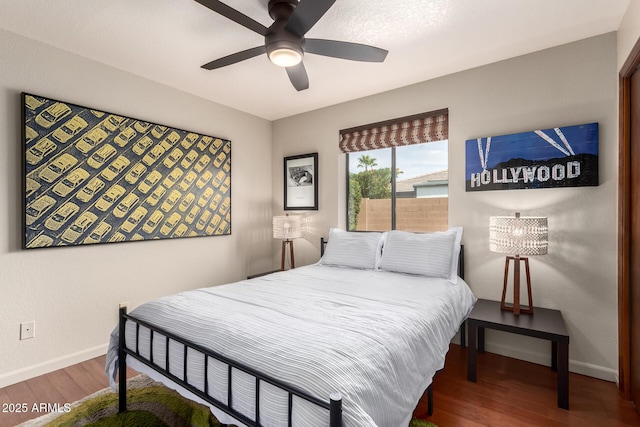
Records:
x=417, y=129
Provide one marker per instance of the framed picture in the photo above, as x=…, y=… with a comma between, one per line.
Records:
x=95, y=177
x=548, y=158
x=301, y=182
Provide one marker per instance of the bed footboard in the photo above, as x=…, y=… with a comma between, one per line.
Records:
x=334, y=406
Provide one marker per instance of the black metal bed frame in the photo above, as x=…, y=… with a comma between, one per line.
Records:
x=334, y=406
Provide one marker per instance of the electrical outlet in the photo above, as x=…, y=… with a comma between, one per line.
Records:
x=27, y=330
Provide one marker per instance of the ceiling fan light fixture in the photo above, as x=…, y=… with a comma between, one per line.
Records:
x=285, y=57
x=284, y=54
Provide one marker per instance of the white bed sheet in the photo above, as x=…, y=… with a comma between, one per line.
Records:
x=375, y=337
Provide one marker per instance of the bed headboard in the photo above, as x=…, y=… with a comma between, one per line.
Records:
x=323, y=243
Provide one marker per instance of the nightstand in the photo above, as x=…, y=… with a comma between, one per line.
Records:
x=544, y=323
x=253, y=276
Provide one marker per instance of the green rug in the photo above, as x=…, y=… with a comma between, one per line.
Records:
x=421, y=423
x=149, y=404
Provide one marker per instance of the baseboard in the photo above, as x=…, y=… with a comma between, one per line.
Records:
x=582, y=368
x=51, y=365
x=594, y=371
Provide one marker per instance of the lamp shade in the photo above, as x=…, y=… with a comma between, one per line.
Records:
x=287, y=227
x=518, y=235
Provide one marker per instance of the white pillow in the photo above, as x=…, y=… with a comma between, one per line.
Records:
x=428, y=254
x=353, y=249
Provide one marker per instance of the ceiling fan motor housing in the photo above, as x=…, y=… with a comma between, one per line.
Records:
x=277, y=37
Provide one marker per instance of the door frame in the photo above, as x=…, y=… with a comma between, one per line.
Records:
x=624, y=207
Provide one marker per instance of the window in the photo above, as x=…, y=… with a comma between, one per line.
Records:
x=415, y=196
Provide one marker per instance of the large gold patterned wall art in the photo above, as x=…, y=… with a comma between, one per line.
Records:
x=95, y=177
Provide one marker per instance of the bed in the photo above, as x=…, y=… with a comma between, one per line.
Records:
x=352, y=341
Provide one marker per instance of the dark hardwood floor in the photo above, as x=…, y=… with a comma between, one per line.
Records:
x=509, y=393
x=63, y=386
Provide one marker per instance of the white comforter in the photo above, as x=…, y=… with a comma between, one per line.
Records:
x=375, y=337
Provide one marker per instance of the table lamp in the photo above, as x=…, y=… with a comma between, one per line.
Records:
x=517, y=236
x=287, y=227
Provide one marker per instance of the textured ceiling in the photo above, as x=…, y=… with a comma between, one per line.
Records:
x=168, y=40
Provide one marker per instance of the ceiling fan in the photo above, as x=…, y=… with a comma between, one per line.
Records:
x=284, y=40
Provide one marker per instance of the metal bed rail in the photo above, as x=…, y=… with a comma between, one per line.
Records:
x=334, y=406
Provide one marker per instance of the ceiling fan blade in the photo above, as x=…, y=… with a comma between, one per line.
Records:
x=234, y=15
x=235, y=57
x=345, y=50
x=298, y=76
x=306, y=14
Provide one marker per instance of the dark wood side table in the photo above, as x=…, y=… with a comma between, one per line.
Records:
x=544, y=323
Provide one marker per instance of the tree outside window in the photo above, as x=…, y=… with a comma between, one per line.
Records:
x=420, y=200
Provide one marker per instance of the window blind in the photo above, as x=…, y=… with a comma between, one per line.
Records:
x=417, y=129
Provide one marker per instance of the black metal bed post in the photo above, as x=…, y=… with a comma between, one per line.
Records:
x=430, y=399
x=461, y=262
x=463, y=326
x=122, y=362
x=335, y=410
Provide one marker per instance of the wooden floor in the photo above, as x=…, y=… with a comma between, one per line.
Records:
x=63, y=386
x=509, y=392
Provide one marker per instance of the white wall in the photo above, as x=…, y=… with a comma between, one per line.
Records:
x=628, y=32
x=73, y=293
x=567, y=85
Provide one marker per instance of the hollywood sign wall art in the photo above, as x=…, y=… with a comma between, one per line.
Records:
x=549, y=158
